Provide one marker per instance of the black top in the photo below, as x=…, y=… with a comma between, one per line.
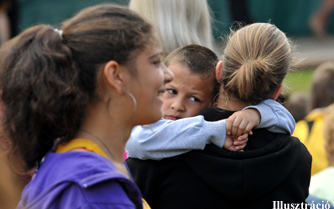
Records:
x=273, y=167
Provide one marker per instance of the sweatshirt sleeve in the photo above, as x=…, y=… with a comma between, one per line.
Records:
x=168, y=138
x=275, y=117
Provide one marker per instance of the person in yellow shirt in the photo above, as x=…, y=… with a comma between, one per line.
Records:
x=322, y=184
x=310, y=129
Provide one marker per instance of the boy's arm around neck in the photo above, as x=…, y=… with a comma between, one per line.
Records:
x=275, y=117
x=167, y=138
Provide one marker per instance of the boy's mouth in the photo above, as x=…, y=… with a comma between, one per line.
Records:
x=171, y=117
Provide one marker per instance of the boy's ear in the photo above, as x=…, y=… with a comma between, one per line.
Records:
x=113, y=74
x=219, y=69
x=277, y=92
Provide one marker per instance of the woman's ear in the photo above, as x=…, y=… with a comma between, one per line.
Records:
x=219, y=68
x=113, y=73
x=277, y=92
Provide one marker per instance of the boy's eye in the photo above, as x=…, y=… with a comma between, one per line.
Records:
x=172, y=91
x=194, y=99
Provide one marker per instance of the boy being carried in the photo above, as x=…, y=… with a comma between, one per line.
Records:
x=194, y=87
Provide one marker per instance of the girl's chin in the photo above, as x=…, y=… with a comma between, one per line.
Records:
x=159, y=100
x=155, y=117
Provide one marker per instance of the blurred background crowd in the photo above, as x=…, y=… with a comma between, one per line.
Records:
x=309, y=22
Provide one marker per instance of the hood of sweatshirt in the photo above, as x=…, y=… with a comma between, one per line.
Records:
x=271, y=162
x=252, y=174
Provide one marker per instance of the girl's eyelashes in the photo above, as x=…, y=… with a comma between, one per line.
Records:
x=157, y=63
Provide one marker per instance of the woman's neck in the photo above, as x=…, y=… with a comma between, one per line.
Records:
x=111, y=141
x=230, y=103
x=108, y=133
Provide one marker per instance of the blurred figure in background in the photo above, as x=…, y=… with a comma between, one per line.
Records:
x=297, y=105
x=7, y=196
x=178, y=22
x=239, y=11
x=310, y=129
x=322, y=183
x=319, y=20
x=8, y=20
x=11, y=182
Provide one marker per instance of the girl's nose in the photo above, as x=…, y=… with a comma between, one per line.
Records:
x=168, y=75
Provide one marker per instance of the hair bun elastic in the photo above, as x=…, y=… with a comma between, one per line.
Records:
x=60, y=32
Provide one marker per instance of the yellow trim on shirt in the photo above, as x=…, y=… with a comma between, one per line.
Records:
x=80, y=143
x=89, y=146
x=145, y=204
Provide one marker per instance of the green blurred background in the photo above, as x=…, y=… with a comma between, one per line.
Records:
x=298, y=81
x=291, y=16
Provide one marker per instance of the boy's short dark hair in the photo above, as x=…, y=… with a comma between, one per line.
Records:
x=200, y=60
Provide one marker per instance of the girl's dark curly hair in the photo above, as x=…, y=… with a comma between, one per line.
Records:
x=47, y=78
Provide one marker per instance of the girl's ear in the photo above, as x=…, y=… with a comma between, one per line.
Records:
x=113, y=73
x=277, y=92
x=219, y=69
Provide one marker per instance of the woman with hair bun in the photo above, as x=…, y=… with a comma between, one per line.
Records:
x=70, y=99
x=274, y=168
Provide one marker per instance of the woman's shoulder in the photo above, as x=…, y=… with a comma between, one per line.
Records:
x=83, y=172
x=76, y=166
x=261, y=145
x=215, y=113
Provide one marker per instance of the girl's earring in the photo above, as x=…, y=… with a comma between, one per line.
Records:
x=134, y=104
x=134, y=101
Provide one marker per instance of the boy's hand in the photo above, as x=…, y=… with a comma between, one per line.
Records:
x=242, y=122
x=233, y=143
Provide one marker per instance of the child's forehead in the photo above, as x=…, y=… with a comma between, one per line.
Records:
x=180, y=67
x=183, y=71
x=183, y=75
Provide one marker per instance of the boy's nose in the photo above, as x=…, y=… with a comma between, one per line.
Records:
x=178, y=106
